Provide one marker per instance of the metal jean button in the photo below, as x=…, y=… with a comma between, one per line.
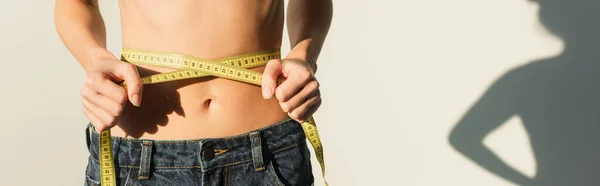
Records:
x=208, y=153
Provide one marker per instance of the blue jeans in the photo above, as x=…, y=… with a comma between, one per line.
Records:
x=274, y=155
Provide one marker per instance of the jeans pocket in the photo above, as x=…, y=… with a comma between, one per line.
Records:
x=90, y=173
x=124, y=176
x=91, y=182
x=291, y=167
x=273, y=176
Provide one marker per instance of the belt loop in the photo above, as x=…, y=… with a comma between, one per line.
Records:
x=257, y=156
x=145, y=160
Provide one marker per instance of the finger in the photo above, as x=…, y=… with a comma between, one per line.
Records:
x=310, y=111
x=99, y=83
x=110, y=106
x=298, y=77
x=308, y=91
x=102, y=115
x=303, y=108
x=129, y=73
x=269, y=77
x=98, y=124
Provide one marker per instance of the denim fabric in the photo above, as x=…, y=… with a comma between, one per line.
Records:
x=275, y=155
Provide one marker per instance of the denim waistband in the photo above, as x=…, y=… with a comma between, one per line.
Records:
x=205, y=153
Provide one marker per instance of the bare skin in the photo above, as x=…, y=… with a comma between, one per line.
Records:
x=201, y=107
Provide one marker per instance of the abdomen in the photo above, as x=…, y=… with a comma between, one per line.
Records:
x=202, y=107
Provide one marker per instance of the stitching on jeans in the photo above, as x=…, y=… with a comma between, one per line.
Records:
x=142, y=158
x=182, y=141
x=227, y=176
x=288, y=147
x=121, y=166
x=133, y=180
x=277, y=179
x=177, y=167
x=90, y=182
x=147, y=156
x=229, y=164
x=148, y=159
x=274, y=151
x=129, y=166
x=174, y=142
x=272, y=179
x=255, y=151
x=234, y=163
x=198, y=167
x=159, y=167
x=128, y=177
x=259, y=152
x=86, y=174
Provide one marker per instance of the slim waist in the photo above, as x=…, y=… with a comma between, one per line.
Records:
x=220, y=107
x=204, y=153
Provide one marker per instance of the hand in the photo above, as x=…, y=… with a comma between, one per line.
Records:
x=103, y=98
x=299, y=94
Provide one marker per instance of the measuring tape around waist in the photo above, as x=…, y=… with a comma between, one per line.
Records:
x=234, y=68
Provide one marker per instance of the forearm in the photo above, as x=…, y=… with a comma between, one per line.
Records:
x=81, y=28
x=308, y=22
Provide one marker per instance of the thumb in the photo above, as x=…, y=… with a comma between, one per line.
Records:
x=269, y=77
x=133, y=84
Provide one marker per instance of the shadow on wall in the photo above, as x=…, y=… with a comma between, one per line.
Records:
x=557, y=99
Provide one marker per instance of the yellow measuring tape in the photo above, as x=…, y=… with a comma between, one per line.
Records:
x=234, y=68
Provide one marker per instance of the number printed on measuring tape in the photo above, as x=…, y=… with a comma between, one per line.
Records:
x=107, y=168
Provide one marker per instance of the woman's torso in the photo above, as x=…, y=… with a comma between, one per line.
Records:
x=208, y=106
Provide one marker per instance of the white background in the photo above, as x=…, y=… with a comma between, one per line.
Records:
x=397, y=76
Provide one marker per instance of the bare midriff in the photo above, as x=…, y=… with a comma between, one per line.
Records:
x=202, y=107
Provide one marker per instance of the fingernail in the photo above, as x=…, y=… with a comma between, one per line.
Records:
x=136, y=100
x=266, y=92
